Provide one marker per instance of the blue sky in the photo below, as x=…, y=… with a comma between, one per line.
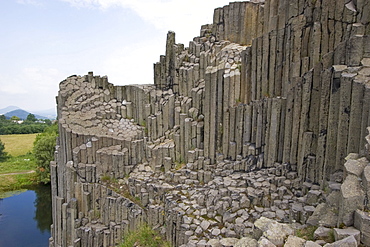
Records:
x=45, y=41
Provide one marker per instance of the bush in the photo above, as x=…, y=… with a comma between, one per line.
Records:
x=144, y=236
x=43, y=149
x=3, y=154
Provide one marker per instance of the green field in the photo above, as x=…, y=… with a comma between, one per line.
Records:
x=16, y=145
x=20, y=160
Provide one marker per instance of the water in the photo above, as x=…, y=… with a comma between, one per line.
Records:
x=25, y=218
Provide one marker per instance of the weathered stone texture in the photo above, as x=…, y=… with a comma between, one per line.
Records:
x=243, y=131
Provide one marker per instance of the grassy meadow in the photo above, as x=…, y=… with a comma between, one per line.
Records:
x=17, y=145
x=20, y=160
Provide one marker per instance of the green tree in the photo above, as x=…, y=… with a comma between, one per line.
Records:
x=15, y=118
x=3, y=154
x=31, y=118
x=43, y=149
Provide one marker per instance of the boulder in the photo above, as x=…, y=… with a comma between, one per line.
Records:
x=322, y=232
x=214, y=243
x=324, y=215
x=277, y=233
x=246, y=242
x=353, y=198
x=264, y=242
x=294, y=241
x=228, y=242
x=311, y=244
x=343, y=233
x=355, y=167
x=362, y=223
x=346, y=242
x=366, y=180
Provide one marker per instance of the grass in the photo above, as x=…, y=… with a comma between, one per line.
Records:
x=15, y=182
x=145, y=236
x=307, y=233
x=21, y=163
x=20, y=160
x=16, y=145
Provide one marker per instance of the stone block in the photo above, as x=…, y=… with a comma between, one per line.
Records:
x=346, y=232
x=246, y=242
x=264, y=242
x=355, y=167
x=346, y=242
x=352, y=198
x=294, y=241
x=362, y=223
x=322, y=232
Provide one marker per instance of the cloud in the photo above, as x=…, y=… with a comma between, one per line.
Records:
x=30, y=2
x=183, y=17
x=132, y=64
x=32, y=87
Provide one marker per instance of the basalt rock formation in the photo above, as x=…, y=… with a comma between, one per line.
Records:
x=260, y=123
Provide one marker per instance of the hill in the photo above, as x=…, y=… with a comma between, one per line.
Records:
x=22, y=114
x=8, y=109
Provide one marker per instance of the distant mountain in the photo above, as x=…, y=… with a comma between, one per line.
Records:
x=8, y=109
x=22, y=114
x=49, y=113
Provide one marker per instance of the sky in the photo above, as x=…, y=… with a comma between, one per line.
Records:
x=45, y=41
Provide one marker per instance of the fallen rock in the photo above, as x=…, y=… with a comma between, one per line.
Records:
x=294, y=241
x=246, y=242
x=343, y=233
x=352, y=199
x=274, y=231
x=311, y=244
x=355, y=167
x=362, y=223
x=322, y=232
x=228, y=242
x=346, y=242
x=324, y=216
x=264, y=242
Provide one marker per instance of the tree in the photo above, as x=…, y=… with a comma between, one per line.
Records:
x=43, y=149
x=15, y=118
x=31, y=118
x=3, y=154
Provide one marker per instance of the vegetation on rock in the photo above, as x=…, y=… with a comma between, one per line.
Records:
x=144, y=236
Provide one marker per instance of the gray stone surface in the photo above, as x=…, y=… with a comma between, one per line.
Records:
x=294, y=241
x=346, y=242
x=352, y=198
x=343, y=233
x=250, y=121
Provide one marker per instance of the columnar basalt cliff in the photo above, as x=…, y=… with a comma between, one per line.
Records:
x=262, y=119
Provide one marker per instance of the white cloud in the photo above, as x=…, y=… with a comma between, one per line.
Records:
x=133, y=64
x=30, y=2
x=183, y=17
x=32, y=88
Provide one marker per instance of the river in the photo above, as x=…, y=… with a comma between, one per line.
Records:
x=25, y=218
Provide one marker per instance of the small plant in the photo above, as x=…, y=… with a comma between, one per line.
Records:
x=105, y=178
x=307, y=233
x=144, y=236
x=179, y=165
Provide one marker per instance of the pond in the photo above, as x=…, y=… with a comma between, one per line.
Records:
x=25, y=218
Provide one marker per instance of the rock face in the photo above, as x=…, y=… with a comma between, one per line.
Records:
x=250, y=121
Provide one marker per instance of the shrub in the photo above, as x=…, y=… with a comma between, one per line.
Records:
x=3, y=154
x=43, y=149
